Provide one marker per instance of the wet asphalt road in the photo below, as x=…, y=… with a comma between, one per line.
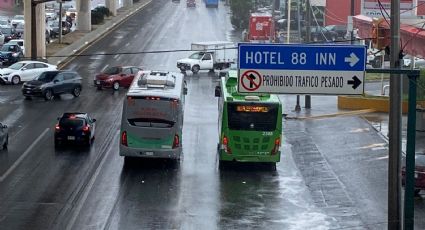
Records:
x=332, y=174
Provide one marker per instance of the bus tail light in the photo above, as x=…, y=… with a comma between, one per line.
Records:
x=276, y=146
x=226, y=145
x=176, y=141
x=124, y=138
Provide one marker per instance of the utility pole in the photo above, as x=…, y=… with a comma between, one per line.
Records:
x=394, y=134
x=288, y=22
x=33, y=31
x=352, y=27
x=60, y=22
x=308, y=36
x=297, y=106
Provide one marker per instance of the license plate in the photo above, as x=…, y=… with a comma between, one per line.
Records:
x=416, y=175
x=71, y=138
x=97, y=82
x=149, y=153
x=28, y=91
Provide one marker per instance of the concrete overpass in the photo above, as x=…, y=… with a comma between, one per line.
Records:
x=83, y=21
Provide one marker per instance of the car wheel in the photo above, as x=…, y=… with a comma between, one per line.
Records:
x=76, y=92
x=195, y=69
x=116, y=85
x=6, y=142
x=182, y=69
x=48, y=95
x=57, y=143
x=15, y=80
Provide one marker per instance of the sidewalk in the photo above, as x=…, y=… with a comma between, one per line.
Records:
x=76, y=41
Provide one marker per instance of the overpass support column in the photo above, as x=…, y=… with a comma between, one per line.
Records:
x=40, y=29
x=128, y=3
x=83, y=15
x=112, y=6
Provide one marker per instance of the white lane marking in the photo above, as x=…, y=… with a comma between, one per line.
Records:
x=127, y=44
x=21, y=158
x=89, y=187
x=116, y=56
x=106, y=66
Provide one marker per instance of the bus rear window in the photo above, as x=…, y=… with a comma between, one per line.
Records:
x=252, y=117
x=152, y=111
x=151, y=122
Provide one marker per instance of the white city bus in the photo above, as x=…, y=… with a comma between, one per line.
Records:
x=152, y=116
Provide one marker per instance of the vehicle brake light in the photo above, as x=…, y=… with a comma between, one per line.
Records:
x=86, y=128
x=226, y=145
x=176, y=141
x=57, y=127
x=124, y=138
x=276, y=146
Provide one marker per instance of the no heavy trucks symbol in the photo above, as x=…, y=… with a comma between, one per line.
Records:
x=251, y=80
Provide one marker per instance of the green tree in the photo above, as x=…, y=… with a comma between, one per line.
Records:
x=240, y=13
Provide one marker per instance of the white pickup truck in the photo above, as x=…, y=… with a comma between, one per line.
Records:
x=209, y=56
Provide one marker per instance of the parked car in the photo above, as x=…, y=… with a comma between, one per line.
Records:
x=66, y=28
x=76, y=128
x=19, y=42
x=341, y=30
x=190, y=3
x=19, y=30
x=1, y=38
x=4, y=136
x=419, y=173
x=53, y=83
x=17, y=19
x=116, y=77
x=407, y=61
x=51, y=14
x=24, y=71
x=4, y=22
x=10, y=54
x=9, y=33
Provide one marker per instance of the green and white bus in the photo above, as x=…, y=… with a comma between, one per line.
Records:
x=152, y=116
x=250, y=125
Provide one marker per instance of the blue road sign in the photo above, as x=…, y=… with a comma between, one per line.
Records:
x=302, y=69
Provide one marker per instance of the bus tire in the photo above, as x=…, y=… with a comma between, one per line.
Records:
x=272, y=166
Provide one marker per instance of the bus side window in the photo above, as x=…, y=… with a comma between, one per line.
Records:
x=218, y=91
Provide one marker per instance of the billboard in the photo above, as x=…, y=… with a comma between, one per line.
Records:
x=372, y=8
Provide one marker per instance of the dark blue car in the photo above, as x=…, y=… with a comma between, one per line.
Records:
x=76, y=128
x=10, y=54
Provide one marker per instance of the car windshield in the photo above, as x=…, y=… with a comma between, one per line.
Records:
x=8, y=48
x=331, y=27
x=112, y=70
x=196, y=56
x=46, y=76
x=4, y=22
x=16, y=66
x=19, y=17
x=6, y=30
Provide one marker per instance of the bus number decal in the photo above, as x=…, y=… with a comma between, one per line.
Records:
x=267, y=133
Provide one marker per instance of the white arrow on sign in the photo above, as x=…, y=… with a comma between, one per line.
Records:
x=352, y=59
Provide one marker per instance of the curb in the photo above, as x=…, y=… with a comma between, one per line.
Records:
x=90, y=38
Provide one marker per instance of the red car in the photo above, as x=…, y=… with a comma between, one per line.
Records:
x=419, y=173
x=116, y=77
